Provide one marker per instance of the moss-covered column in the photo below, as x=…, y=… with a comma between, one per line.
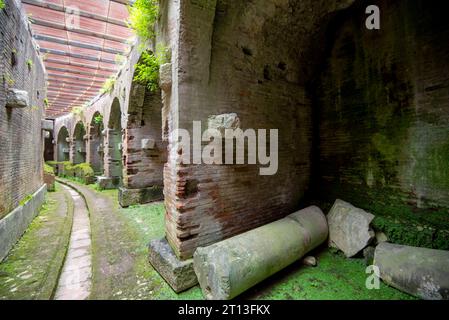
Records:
x=232, y=266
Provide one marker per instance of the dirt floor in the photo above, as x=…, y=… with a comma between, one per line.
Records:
x=121, y=270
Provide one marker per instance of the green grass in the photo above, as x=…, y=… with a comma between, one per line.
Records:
x=336, y=277
x=32, y=268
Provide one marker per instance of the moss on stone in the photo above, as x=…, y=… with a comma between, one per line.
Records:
x=31, y=270
x=82, y=172
x=27, y=198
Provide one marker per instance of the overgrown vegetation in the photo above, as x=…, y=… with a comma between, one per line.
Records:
x=147, y=71
x=143, y=14
x=82, y=172
x=98, y=119
x=108, y=85
x=2, y=4
x=48, y=169
x=27, y=198
x=77, y=111
x=31, y=270
x=30, y=64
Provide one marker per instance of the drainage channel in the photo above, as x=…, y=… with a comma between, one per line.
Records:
x=75, y=279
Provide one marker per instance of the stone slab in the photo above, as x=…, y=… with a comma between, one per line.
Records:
x=178, y=274
x=106, y=183
x=349, y=228
x=128, y=197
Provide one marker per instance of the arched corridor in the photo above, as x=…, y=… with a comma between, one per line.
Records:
x=63, y=145
x=221, y=149
x=79, y=143
x=95, y=152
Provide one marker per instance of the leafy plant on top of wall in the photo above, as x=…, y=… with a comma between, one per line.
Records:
x=147, y=69
x=2, y=4
x=143, y=15
x=108, y=85
x=30, y=64
x=77, y=111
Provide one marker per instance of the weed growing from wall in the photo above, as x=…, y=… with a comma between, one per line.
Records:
x=98, y=119
x=108, y=85
x=143, y=14
x=147, y=70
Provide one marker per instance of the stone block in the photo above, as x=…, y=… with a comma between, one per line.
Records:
x=224, y=121
x=165, y=77
x=178, y=274
x=17, y=98
x=128, y=197
x=349, y=228
x=105, y=183
x=148, y=144
x=47, y=125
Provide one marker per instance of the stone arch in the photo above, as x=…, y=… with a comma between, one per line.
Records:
x=79, y=143
x=63, y=145
x=145, y=152
x=113, y=145
x=95, y=149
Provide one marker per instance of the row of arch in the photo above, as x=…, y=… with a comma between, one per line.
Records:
x=91, y=143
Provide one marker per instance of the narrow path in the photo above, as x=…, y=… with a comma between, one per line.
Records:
x=75, y=280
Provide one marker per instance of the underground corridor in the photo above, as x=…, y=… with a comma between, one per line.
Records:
x=224, y=150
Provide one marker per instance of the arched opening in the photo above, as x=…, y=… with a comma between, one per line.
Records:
x=114, y=168
x=95, y=150
x=145, y=152
x=63, y=150
x=49, y=150
x=79, y=143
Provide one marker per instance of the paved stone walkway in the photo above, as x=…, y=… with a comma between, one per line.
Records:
x=76, y=276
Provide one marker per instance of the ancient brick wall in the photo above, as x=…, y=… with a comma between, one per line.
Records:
x=145, y=149
x=21, y=139
x=383, y=105
x=245, y=58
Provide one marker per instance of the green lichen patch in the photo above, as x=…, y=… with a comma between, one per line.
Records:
x=32, y=268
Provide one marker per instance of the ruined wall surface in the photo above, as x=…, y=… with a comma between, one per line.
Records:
x=146, y=152
x=243, y=57
x=21, y=139
x=383, y=105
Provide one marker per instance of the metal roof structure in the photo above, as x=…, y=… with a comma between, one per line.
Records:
x=80, y=41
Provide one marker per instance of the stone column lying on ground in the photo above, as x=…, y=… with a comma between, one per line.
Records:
x=421, y=272
x=349, y=228
x=230, y=267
